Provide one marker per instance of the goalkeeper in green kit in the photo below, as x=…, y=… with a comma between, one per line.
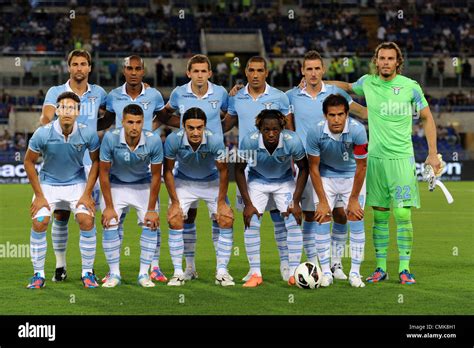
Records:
x=392, y=100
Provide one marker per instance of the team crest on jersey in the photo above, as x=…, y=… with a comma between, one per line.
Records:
x=148, y=134
x=92, y=99
x=142, y=156
x=145, y=105
x=214, y=103
x=287, y=136
x=203, y=155
x=78, y=147
x=268, y=105
x=347, y=144
x=396, y=90
x=116, y=131
x=281, y=158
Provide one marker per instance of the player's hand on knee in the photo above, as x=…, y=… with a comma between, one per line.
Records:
x=323, y=211
x=249, y=211
x=224, y=216
x=88, y=202
x=152, y=220
x=295, y=209
x=354, y=210
x=37, y=204
x=175, y=215
x=108, y=215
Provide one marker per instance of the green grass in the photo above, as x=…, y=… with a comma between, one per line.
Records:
x=444, y=280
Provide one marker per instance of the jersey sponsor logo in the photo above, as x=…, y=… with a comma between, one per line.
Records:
x=268, y=105
x=54, y=141
x=396, y=90
x=213, y=103
x=145, y=104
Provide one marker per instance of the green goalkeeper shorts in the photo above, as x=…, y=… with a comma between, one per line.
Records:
x=392, y=181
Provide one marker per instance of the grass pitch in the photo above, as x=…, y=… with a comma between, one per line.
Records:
x=442, y=262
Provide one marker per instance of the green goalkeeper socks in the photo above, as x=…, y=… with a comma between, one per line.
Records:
x=381, y=237
x=404, y=236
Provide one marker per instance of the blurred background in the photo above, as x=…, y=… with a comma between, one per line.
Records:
x=436, y=37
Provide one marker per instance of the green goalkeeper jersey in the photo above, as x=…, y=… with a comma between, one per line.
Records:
x=391, y=106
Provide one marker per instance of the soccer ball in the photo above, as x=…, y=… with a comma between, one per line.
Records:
x=308, y=275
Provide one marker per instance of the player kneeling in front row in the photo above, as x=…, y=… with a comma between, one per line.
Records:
x=201, y=174
x=62, y=184
x=269, y=152
x=337, y=154
x=130, y=177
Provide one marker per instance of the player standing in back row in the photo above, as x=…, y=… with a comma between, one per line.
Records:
x=392, y=99
x=243, y=109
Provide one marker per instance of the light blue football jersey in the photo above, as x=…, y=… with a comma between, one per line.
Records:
x=131, y=167
x=199, y=165
x=243, y=106
x=63, y=159
x=308, y=111
x=276, y=167
x=91, y=101
x=150, y=100
x=337, y=159
x=182, y=98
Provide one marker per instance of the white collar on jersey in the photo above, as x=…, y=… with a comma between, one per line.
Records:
x=323, y=90
x=210, y=90
x=266, y=91
x=333, y=136
x=124, y=91
x=261, y=145
x=186, y=141
x=69, y=89
x=123, y=141
x=57, y=128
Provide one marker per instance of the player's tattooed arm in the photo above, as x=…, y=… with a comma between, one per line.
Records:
x=40, y=201
x=152, y=218
x=301, y=180
x=354, y=210
x=47, y=114
x=323, y=211
x=86, y=199
x=106, y=121
x=249, y=209
x=109, y=212
x=358, y=110
x=225, y=215
x=229, y=122
x=430, y=132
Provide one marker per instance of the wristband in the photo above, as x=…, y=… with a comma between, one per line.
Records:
x=152, y=211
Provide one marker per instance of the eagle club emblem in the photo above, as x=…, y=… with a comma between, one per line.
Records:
x=213, y=103
x=142, y=156
x=396, y=90
x=92, y=99
x=145, y=105
x=78, y=147
x=268, y=105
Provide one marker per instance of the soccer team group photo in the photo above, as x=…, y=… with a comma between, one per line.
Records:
x=297, y=175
